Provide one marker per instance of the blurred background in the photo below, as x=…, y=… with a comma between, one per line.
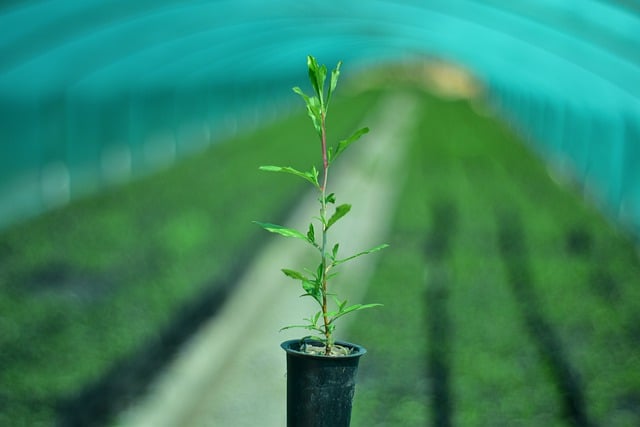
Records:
x=99, y=93
x=131, y=132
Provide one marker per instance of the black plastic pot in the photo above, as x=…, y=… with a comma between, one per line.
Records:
x=320, y=388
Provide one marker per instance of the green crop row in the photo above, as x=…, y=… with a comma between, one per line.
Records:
x=508, y=300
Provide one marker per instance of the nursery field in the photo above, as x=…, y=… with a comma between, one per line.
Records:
x=95, y=297
x=508, y=301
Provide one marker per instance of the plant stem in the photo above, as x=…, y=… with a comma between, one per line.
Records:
x=323, y=215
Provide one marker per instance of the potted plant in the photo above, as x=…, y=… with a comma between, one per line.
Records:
x=320, y=370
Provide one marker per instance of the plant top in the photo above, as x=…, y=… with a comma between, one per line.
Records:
x=315, y=281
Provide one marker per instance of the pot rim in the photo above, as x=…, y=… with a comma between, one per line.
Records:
x=356, y=350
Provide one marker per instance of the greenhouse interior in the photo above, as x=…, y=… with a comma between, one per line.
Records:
x=487, y=153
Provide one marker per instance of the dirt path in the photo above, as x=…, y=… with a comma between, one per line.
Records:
x=232, y=373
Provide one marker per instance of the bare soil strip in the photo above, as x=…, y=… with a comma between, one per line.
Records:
x=233, y=371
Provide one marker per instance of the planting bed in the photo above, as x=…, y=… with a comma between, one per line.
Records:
x=508, y=300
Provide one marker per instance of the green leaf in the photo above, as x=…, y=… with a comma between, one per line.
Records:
x=311, y=287
x=313, y=108
x=300, y=92
x=357, y=307
x=313, y=292
x=317, y=76
x=331, y=198
x=312, y=176
x=316, y=317
x=284, y=231
x=334, y=82
x=312, y=66
x=321, y=75
x=334, y=252
x=342, y=145
x=341, y=211
x=350, y=309
x=341, y=304
x=376, y=249
x=311, y=235
x=294, y=274
x=320, y=272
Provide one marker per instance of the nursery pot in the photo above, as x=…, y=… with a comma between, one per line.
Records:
x=320, y=388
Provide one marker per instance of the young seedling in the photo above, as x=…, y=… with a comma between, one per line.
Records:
x=315, y=281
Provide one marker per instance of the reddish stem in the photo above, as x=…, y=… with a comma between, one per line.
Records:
x=323, y=202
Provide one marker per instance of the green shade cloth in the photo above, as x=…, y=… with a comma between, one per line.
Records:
x=88, y=85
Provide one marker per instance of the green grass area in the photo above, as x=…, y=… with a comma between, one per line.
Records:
x=85, y=286
x=482, y=332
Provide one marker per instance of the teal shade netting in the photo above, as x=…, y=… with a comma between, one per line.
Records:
x=96, y=92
